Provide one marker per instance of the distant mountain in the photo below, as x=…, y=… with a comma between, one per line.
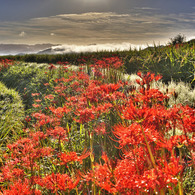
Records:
x=21, y=49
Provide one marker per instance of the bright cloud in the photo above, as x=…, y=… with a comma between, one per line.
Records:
x=92, y=48
x=22, y=34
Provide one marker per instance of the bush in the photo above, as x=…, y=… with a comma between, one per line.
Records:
x=178, y=39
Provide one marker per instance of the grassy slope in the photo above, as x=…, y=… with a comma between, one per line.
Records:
x=11, y=114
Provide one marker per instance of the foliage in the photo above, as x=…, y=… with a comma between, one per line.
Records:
x=11, y=115
x=179, y=39
x=26, y=79
x=173, y=63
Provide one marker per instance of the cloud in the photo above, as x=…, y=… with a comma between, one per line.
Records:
x=22, y=34
x=140, y=26
x=93, y=48
x=147, y=8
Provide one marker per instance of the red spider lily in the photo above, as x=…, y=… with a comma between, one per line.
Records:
x=59, y=112
x=27, y=119
x=161, y=177
x=74, y=85
x=85, y=115
x=128, y=135
x=127, y=175
x=43, y=119
x=109, y=88
x=5, y=63
x=101, y=109
x=35, y=94
x=174, y=167
x=102, y=177
x=37, y=136
x=112, y=62
x=57, y=133
x=72, y=157
x=50, y=97
x=36, y=105
x=152, y=96
x=173, y=141
x=60, y=88
x=93, y=93
x=146, y=79
x=188, y=119
x=26, y=150
x=100, y=129
x=38, y=100
x=63, y=63
x=115, y=62
x=9, y=173
x=20, y=187
x=46, y=84
x=51, y=67
x=57, y=182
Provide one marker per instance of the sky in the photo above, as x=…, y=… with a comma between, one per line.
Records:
x=84, y=22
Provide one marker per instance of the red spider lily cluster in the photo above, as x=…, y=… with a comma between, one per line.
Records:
x=5, y=63
x=89, y=136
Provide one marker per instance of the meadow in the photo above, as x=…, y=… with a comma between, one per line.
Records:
x=115, y=123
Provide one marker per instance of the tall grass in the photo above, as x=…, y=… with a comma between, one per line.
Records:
x=11, y=115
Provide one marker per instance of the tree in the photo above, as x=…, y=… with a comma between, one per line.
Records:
x=177, y=39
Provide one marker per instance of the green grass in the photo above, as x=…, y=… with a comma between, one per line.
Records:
x=26, y=79
x=11, y=114
x=171, y=62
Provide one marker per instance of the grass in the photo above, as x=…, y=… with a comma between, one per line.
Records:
x=11, y=115
x=26, y=79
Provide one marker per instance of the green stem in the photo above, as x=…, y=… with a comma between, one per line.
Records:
x=92, y=161
x=149, y=149
x=162, y=191
x=180, y=186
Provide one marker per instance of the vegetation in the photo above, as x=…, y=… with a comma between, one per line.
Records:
x=175, y=61
x=179, y=39
x=95, y=130
x=11, y=115
x=26, y=79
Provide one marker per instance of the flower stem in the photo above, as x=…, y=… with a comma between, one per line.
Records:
x=149, y=149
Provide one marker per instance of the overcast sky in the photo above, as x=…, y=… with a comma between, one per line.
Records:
x=95, y=21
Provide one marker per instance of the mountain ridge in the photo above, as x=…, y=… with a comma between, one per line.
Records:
x=19, y=49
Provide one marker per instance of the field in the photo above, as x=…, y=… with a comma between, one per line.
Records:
x=115, y=123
